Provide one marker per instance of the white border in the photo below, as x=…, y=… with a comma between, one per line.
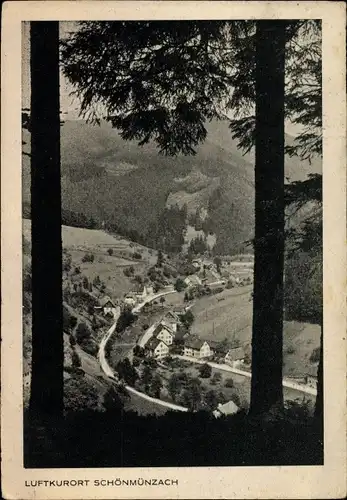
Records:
x=211, y=482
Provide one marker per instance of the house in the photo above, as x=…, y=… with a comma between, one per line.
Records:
x=164, y=333
x=235, y=356
x=130, y=299
x=311, y=376
x=157, y=348
x=107, y=306
x=170, y=319
x=229, y=408
x=192, y=280
x=147, y=291
x=197, y=348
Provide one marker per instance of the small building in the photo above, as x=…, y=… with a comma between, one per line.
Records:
x=171, y=319
x=156, y=348
x=146, y=292
x=164, y=333
x=229, y=408
x=235, y=356
x=130, y=299
x=197, y=348
x=311, y=376
x=192, y=280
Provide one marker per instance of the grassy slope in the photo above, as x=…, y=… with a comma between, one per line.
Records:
x=232, y=318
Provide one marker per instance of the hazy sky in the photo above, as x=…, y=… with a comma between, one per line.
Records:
x=69, y=105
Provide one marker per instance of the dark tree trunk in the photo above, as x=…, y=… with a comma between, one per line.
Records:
x=47, y=331
x=319, y=408
x=267, y=333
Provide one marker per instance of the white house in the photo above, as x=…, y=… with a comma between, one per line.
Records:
x=229, y=408
x=157, y=348
x=235, y=356
x=197, y=348
x=164, y=333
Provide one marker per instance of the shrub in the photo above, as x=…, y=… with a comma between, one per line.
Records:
x=77, y=270
x=217, y=377
x=85, y=283
x=290, y=349
x=88, y=257
x=110, y=251
x=97, y=281
x=72, y=341
x=180, y=285
x=205, y=371
x=125, y=319
x=139, y=351
x=69, y=321
x=83, y=332
x=137, y=256
x=76, y=360
x=229, y=382
x=127, y=372
x=90, y=346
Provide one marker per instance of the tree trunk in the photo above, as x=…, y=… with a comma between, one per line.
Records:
x=267, y=328
x=47, y=325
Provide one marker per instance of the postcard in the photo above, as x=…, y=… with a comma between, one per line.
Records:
x=173, y=250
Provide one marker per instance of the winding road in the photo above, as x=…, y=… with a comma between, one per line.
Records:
x=109, y=371
x=286, y=383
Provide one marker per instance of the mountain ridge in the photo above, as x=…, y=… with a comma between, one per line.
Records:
x=108, y=179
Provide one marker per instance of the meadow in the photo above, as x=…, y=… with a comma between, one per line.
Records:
x=229, y=315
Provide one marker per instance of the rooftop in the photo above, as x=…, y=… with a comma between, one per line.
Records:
x=161, y=327
x=235, y=353
x=105, y=300
x=228, y=408
x=153, y=343
x=194, y=343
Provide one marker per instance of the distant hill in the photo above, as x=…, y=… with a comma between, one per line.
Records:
x=110, y=180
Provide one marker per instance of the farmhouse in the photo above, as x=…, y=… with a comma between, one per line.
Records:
x=197, y=348
x=235, y=356
x=130, y=299
x=157, y=348
x=229, y=408
x=164, y=333
x=107, y=306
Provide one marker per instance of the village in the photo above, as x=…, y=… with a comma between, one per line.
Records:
x=164, y=352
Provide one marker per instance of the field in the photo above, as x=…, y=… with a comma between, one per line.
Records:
x=109, y=268
x=229, y=314
x=223, y=315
